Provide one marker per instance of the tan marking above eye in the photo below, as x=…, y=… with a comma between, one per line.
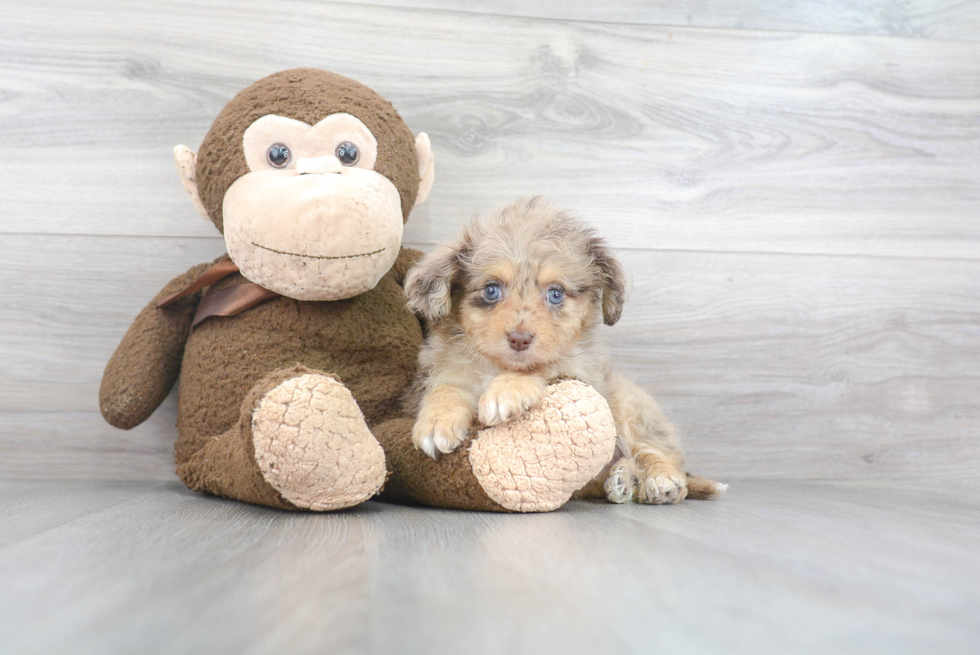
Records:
x=499, y=274
x=307, y=141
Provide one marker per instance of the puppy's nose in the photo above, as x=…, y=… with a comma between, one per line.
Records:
x=519, y=340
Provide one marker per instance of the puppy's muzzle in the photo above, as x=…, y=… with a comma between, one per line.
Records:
x=519, y=340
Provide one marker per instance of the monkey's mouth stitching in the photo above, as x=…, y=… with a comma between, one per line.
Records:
x=296, y=254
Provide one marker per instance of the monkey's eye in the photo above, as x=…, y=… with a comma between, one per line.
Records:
x=556, y=296
x=491, y=292
x=348, y=153
x=279, y=155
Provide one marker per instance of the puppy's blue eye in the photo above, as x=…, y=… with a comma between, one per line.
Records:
x=279, y=155
x=491, y=292
x=555, y=296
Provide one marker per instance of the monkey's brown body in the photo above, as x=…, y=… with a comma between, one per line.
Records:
x=296, y=402
x=369, y=342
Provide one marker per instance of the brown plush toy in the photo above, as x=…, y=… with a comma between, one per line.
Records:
x=295, y=349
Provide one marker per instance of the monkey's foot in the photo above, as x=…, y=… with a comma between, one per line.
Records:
x=313, y=446
x=536, y=462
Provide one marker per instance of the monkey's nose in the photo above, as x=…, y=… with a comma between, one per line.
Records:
x=519, y=340
x=327, y=164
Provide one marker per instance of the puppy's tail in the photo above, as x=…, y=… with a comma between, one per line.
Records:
x=699, y=488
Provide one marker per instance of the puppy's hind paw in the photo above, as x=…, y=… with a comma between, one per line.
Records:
x=620, y=486
x=665, y=489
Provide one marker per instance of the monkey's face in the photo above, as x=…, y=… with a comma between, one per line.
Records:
x=310, y=176
x=312, y=219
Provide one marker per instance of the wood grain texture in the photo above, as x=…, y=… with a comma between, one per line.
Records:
x=29, y=507
x=773, y=567
x=956, y=20
x=868, y=366
x=775, y=366
x=724, y=140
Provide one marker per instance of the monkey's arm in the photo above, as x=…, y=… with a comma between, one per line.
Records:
x=146, y=364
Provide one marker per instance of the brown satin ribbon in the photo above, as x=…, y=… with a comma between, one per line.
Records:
x=231, y=301
x=219, y=271
x=221, y=302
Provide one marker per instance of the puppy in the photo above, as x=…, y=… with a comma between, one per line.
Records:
x=518, y=299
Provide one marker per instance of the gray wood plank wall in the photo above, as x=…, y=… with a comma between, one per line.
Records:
x=793, y=186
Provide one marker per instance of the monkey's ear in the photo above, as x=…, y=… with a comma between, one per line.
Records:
x=427, y=162
x=187, y=169
x=429, y=284
x=613, y=278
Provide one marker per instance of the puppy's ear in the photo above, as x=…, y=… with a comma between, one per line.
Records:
x=429, y=284
x=612, y=278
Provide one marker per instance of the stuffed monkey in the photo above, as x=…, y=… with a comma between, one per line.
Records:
x=294, y=350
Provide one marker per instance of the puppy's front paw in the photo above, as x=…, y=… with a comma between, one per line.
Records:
x=441, y=428
x=664, y=487
x=509, y=396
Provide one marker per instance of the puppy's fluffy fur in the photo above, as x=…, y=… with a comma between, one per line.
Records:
x=518, y=299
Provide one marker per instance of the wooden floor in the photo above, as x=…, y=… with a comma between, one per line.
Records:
x=775, y=567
